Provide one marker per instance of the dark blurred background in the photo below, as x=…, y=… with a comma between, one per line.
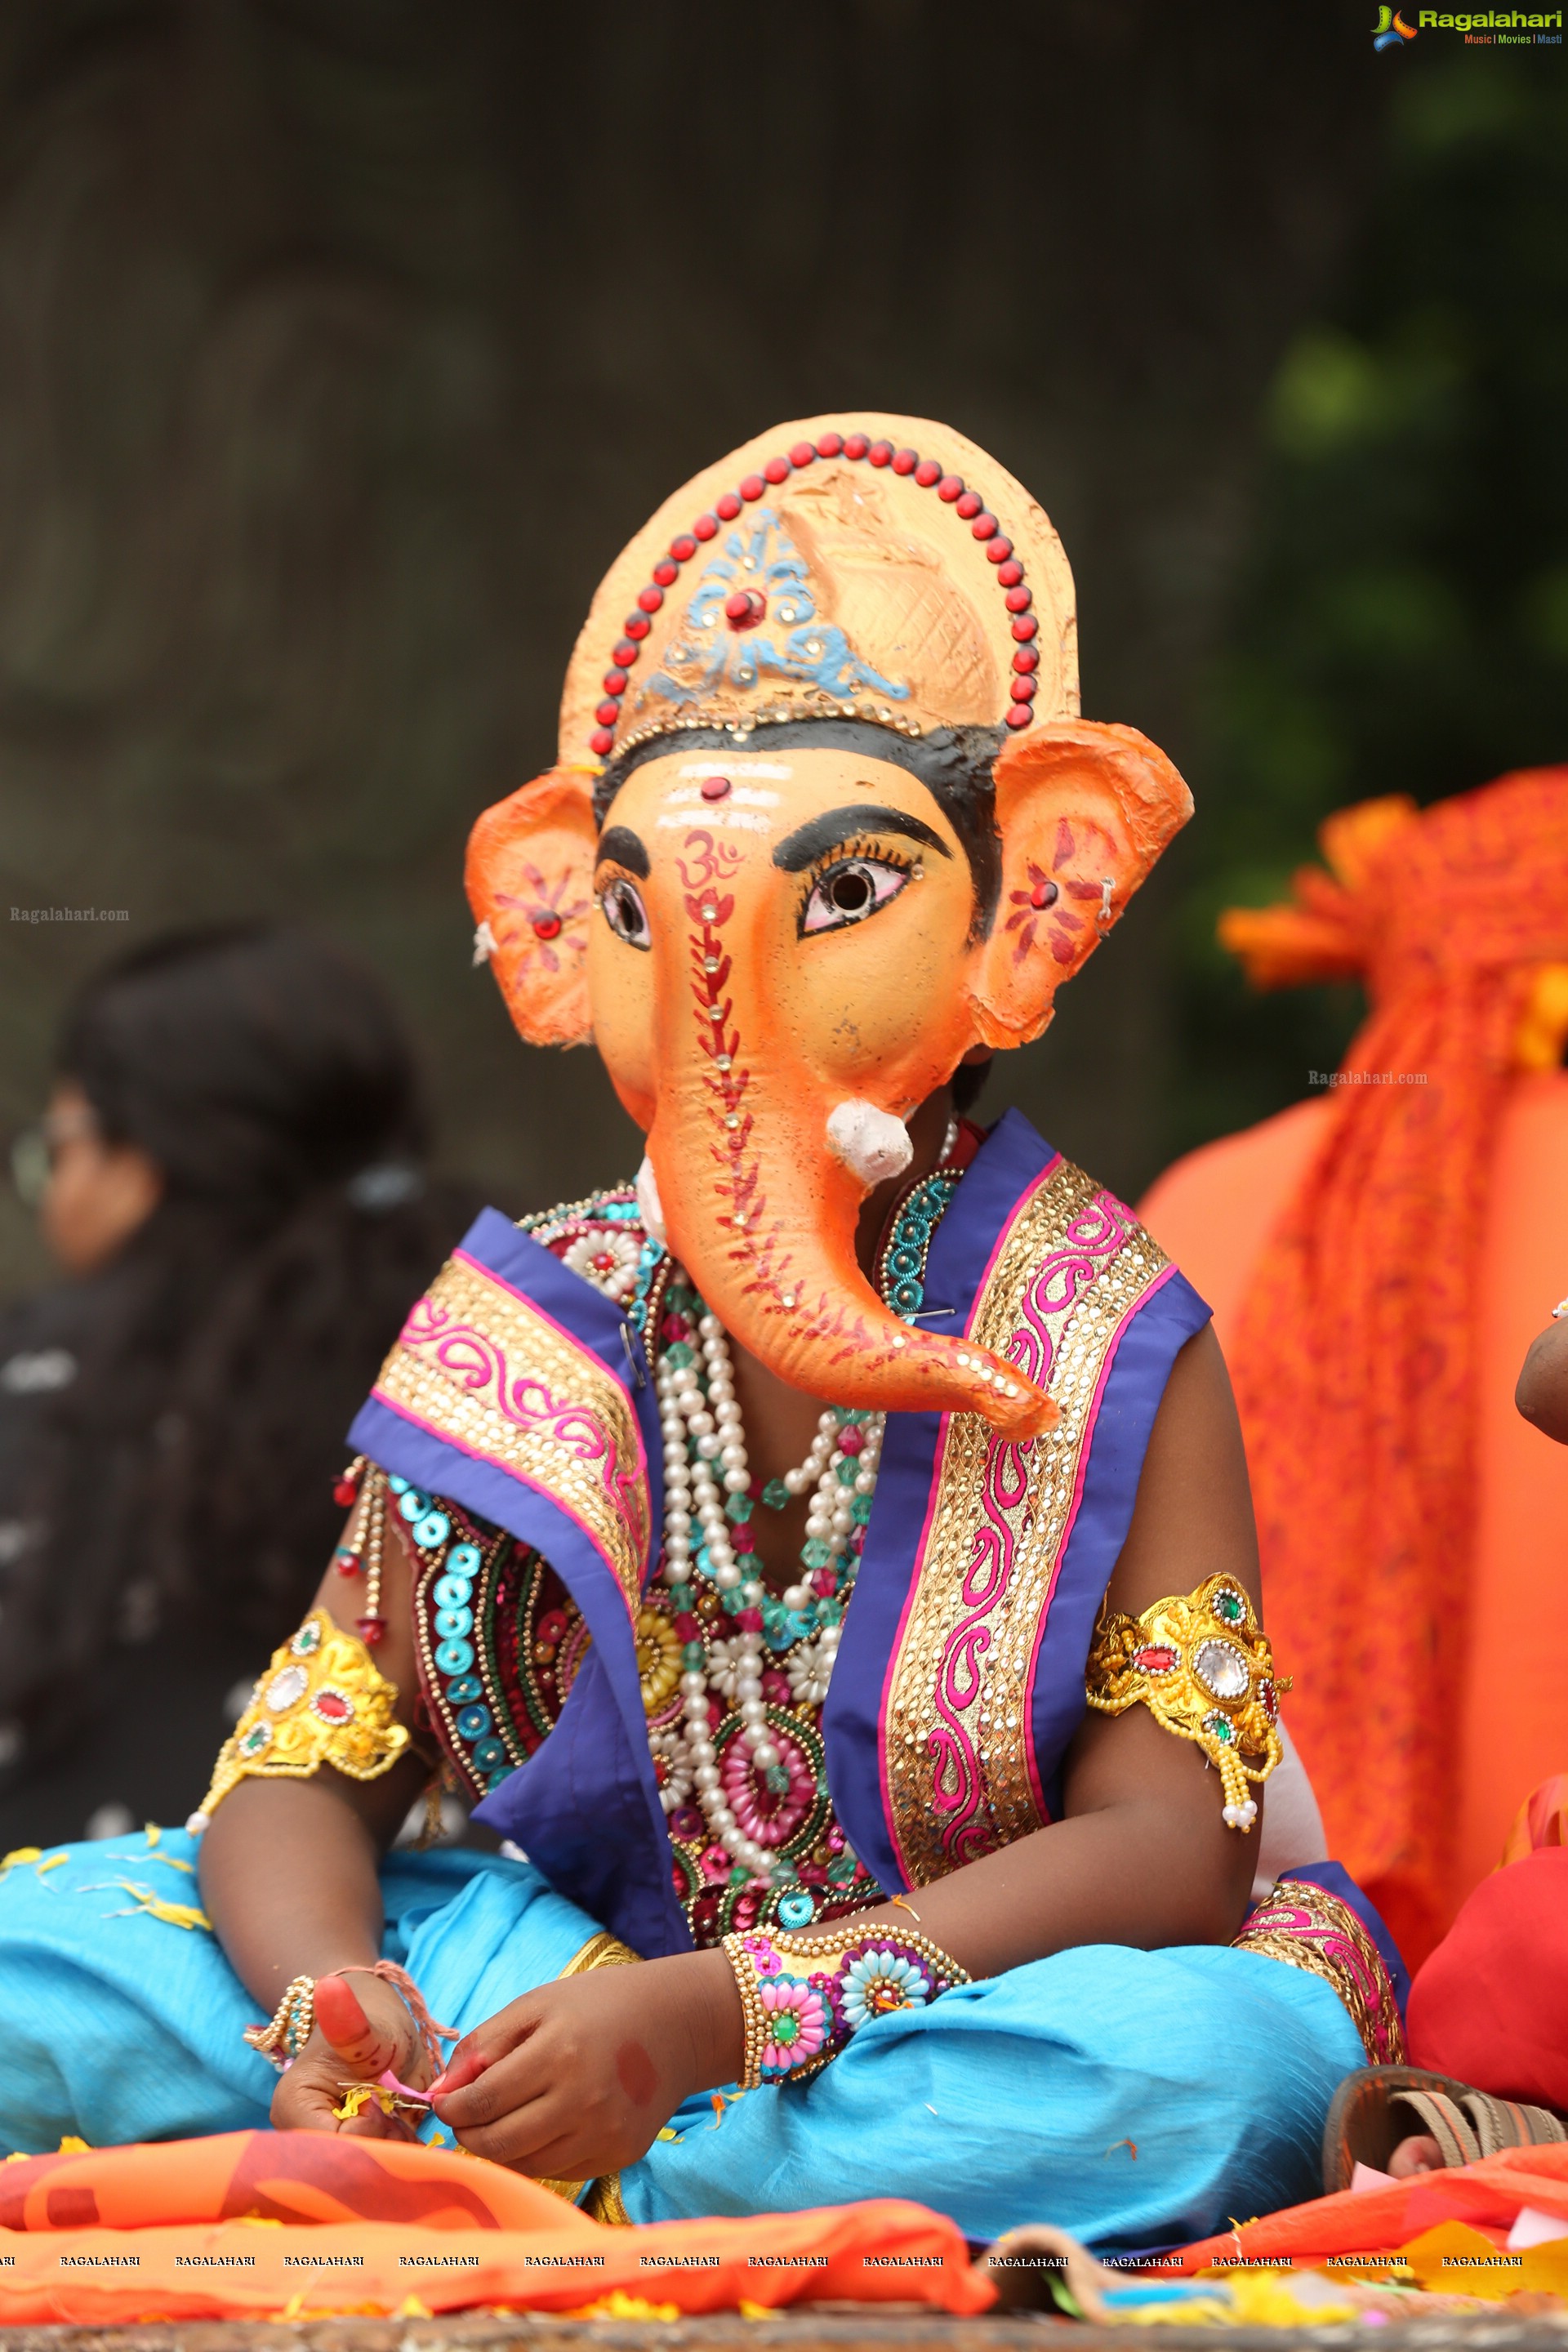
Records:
x=345, y=343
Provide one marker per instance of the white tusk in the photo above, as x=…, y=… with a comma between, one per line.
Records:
x=484, y=944
x=649, y=1207
x=871, y=1142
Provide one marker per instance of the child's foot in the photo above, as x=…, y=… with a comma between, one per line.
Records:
x=1420, y=2153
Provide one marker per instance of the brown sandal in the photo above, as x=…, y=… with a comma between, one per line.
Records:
x=1374, y=2109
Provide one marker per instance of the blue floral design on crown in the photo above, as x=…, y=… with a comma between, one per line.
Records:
x=710, y=652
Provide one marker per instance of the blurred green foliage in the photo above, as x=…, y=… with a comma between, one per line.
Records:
x=1401, y=625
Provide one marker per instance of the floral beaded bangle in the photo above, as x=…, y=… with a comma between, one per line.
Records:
x=803, y=1997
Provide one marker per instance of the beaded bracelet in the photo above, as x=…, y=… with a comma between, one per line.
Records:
x=289, y=2027
x=798, y=2016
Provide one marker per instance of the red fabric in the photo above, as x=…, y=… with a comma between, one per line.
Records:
x=1355, y=1362
x=1490, y=2006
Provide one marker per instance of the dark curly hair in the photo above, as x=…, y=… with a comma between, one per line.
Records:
x=186, y=1472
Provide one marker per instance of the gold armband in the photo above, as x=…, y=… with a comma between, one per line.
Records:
x=321, y=1701
x=1202, y=1665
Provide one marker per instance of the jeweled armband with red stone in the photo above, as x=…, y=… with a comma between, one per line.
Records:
x=321, y=1701
x=803, y=1996
x=1201, y=1664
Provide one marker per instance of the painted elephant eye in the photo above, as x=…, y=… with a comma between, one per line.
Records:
x=626, y=914
x=849, y=890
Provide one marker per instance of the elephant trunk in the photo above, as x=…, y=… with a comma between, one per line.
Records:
x=762, y=1209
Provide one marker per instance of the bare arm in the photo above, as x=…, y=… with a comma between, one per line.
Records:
x=1542, y=1395
x=288, y=1867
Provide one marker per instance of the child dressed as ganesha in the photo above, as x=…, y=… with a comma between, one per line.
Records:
x=828, y=1561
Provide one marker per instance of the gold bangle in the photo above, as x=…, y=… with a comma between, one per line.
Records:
x=1201, y=1664
x=321, y=1701
x=290, y=2025
x=752, y=2019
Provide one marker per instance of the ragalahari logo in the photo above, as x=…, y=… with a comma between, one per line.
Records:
x=1391, y=30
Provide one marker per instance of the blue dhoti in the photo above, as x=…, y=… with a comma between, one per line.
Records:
x=1131, y=2097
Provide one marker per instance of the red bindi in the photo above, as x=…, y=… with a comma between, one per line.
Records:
x=714, y=788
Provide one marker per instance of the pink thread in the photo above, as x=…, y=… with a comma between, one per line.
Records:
x=413, y=2000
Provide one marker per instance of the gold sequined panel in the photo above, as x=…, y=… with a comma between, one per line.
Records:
x=1308, y=1927
x=486, y=1371
x=959, y=1760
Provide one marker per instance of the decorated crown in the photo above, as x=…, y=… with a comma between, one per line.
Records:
x=883, y=570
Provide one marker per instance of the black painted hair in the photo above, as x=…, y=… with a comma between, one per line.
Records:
x=955, y=764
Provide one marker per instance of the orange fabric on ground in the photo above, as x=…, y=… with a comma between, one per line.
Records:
x=1488, y=2196
x=256, y=2224
x=1357, y=1353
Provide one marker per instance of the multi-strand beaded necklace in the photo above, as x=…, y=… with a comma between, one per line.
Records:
x=735, y=1715
x=733, y=1676
x=736, y=1742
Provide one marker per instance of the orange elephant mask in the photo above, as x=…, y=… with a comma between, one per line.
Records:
x=824, y=819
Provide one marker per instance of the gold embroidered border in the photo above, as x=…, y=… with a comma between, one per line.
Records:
x=486, y=1371
x=992, y=1492
x=1306, y=1928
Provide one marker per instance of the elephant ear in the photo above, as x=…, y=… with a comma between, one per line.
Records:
x=530, y=880
x=1079, y=806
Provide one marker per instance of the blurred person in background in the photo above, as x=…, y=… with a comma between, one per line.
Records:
x=230, y=1174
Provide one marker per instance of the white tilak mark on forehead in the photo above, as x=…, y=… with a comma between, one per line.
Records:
x=746, y=820
x=741, y=796
x=737, y=768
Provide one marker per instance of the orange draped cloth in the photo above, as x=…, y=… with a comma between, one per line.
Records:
x=1354, y=1367
x=303, y=2225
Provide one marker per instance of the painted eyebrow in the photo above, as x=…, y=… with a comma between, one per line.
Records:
x=622, y=844
x=809, y=841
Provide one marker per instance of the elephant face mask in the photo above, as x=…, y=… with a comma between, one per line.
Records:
x=824, y=818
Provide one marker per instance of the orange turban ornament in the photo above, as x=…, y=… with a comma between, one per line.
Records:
x=1355, y=1363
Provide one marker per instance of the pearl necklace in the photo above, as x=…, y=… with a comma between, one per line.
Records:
x=705, y=1473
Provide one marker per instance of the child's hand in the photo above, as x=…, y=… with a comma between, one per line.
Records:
x=362, y=2029
x=574, y=2079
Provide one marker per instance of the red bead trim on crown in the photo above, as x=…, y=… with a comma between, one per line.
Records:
x=951, y=490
